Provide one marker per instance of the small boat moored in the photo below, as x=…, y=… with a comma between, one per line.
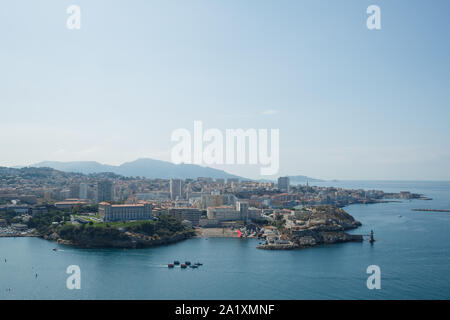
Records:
x=176, y=262
x=171, y=265
x=183, y=266
x=188, y=263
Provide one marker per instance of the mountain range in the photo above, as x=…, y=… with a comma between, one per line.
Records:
x=152, y=169
x=148, y=168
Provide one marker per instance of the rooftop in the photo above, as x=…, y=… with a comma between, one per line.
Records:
x=124, y=205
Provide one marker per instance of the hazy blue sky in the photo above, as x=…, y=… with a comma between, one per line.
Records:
x=350, y=103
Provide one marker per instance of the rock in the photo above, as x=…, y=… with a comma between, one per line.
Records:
x=53, y=237
x=325, y=225
x=307, y=241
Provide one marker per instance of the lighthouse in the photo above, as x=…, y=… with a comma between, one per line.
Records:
x=371, y=240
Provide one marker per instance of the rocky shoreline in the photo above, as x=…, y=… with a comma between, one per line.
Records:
x=128, y=240
x=311, y=241
x=318, y=226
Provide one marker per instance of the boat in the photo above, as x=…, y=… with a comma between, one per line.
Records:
x=176, y=262
x=183, y=266
x=188, y=263
x=54, y=249
x=198, y=264
x=171, y=265
x=194, y=266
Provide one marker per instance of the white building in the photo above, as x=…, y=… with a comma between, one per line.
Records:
x=223, y=213
x=231, y=213
x=191, y=214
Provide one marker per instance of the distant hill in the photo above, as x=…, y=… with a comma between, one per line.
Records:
x=38, y=173
x=302, y=179
x=46, y=176
x=148, y=168
x=85, y=167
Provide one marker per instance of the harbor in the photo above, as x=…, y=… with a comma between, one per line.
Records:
x=230, y=263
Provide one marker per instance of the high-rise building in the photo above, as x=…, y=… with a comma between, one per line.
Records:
x=74, y=191
x=104, y=191
x=242, y=207
x=283, y=184
x=83, y=191
x=176, y=189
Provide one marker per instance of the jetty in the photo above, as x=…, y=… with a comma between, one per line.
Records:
x=432, y=210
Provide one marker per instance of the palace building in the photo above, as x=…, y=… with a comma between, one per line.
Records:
x=125, y=212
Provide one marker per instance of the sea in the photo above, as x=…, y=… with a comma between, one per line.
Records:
x=412, y=251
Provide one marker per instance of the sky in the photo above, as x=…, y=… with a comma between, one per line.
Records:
x=349, y=103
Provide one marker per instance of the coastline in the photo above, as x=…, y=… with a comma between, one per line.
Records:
x=307, y=283
x=312, y=227
x=129, y=240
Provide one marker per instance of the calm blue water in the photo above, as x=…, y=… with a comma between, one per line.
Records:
x=413, y=252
